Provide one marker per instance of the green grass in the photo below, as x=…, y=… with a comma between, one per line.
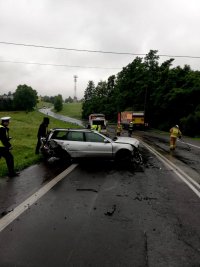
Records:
x=73, y=110
x=23, y=130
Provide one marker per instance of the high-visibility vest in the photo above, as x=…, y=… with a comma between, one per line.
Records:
x=175, y=132
x=1, y=144
x=99, y=128
x=94, y=127
x=130, y=127
x=119, y=128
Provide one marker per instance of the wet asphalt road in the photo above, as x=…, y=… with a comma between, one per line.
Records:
x=15, y=190
x=106, y=215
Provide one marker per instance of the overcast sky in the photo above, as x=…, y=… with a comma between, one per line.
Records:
x=129, y=26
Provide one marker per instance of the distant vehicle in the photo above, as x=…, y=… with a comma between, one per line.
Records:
x=137, y=117
x=68, y=144
x=98, y=119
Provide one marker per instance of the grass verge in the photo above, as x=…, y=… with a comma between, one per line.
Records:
x=23, y=130
x=73, y=110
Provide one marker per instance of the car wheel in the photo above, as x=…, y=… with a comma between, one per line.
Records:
x=137, y=156
x=123, y=156
x=65, y=157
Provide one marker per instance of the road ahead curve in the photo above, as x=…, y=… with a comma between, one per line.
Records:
x=47, y=111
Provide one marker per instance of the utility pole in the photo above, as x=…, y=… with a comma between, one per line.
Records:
x=75, y=81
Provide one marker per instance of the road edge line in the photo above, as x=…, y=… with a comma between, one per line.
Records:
x=176, y=170
x=10, y=217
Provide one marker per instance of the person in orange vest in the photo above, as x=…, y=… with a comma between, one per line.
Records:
x=174, y=134
x=119, y=129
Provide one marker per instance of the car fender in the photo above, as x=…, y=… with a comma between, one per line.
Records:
x=118, y=146
x=64, y=146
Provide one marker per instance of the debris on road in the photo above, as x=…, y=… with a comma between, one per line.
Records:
x=87, y=189
x=111, y=212
x=6, y=212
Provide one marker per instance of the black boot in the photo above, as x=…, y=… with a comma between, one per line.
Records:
x=13, y=174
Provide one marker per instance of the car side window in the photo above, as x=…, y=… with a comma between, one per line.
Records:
x=75, y=136
x=60, y=135
x=92, y=137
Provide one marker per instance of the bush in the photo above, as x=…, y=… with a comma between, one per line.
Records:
x=190, y=125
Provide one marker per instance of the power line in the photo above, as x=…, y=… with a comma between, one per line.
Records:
x=54, y=65
x=94, y=51
x=69, y=49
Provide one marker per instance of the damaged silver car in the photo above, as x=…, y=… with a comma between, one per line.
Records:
x=68, y=144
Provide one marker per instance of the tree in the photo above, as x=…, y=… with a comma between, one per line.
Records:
x=88, y=100
x=69, y=100
x=49, y=99
x=89, y=91
x=167, y=95
x=58, y=103
x=6, y=102
x=25, y=98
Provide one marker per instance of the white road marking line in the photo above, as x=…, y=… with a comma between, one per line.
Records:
x=193, y=145
x=182, y=175
x=188, y=144
x=10, y=217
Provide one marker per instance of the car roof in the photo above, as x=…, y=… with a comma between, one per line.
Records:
x=72, y=129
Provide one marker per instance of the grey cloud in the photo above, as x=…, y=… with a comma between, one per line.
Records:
x=169, y=26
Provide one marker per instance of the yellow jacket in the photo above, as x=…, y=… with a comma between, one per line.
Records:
x=175, y=132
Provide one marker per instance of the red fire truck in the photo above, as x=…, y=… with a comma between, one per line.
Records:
x=137, y=117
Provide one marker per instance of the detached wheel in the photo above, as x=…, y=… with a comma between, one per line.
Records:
x=123, y=156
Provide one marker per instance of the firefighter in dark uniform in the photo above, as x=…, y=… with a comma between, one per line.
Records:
x=5, y=146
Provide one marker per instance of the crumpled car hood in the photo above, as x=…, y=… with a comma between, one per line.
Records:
x=127, y=140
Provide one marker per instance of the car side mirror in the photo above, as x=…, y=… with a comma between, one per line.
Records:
x=106, y=141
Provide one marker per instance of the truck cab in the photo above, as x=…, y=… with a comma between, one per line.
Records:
x=98, y=119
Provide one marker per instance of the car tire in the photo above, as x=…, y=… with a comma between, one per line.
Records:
x=65, y=157
x=137, y=157
x=123, y=156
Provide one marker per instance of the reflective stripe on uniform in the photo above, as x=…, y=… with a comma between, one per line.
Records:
x=1, y=144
